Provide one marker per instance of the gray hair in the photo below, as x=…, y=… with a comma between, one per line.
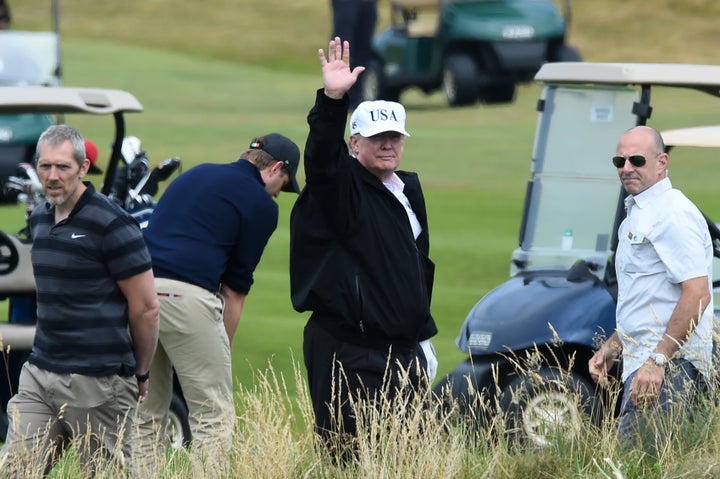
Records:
x=56, y=135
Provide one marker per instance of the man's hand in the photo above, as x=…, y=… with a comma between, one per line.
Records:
x=143, y=390
x=645, y=387
x=602, y=361
x=336, y=74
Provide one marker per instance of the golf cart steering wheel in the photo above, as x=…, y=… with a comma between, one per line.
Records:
x=9, y=257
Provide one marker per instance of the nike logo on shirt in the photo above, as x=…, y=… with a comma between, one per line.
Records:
x=74, y=235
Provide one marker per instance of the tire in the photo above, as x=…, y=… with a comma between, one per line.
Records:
x=178, y=426
x=457, y=404
x=459, y=80
x=566, y=53
x=499, y=93
x=374, y=84
x=541, y=406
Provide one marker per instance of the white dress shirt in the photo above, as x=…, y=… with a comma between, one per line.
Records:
x=663, y=241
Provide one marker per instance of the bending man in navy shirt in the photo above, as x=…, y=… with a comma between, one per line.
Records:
x=206, y=236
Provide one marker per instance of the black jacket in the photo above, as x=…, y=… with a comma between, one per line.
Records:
x=353, y=259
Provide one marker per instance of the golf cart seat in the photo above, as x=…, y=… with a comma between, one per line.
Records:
x=419, y=24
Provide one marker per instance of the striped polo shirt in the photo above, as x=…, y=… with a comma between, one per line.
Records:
x=82, y=324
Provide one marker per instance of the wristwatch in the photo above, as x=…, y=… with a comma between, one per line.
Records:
x=659, y=359
x=141, y=378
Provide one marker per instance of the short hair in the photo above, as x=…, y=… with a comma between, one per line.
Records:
x=56, y=135
x=260, y=158
x=655, y=135
x=658, y=140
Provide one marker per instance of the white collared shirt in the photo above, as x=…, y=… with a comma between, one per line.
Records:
x=663, y=241
x=396, y=187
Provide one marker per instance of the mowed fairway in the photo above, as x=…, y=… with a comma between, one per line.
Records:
x=212, y=79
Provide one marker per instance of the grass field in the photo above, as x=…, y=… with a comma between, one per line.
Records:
x=213, y=74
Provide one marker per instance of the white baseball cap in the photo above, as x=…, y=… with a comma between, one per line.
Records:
x=378, y=116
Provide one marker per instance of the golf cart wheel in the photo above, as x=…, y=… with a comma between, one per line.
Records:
x=539, y=407
x=499, y=93
x=178, y=426
x=374, y=85
x=566, y=53
x=9, y=257
x=459, y=80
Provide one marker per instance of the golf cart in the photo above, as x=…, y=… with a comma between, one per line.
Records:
x=529, y=340
x=472, y=49
x=122, y=182
x=27, y=58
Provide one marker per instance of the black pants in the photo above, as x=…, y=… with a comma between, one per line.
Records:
x=341, y=372
x=354, y=21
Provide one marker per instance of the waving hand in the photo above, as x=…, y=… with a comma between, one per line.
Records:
x=336, y=74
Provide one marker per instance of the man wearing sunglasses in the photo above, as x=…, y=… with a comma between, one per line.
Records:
x=665, y=306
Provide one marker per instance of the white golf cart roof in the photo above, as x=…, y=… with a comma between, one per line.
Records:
x=63, y=100
x=701, y=77
x=38, y=99
x=706, y=136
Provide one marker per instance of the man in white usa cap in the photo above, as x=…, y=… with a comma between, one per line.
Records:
x=359, y=259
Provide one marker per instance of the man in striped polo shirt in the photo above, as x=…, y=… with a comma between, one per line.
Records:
x=97, y=320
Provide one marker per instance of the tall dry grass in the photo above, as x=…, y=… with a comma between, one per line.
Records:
x=426, y=438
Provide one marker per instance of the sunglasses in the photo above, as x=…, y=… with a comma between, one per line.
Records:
x=636, y=160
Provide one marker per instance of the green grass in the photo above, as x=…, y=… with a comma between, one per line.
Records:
x=284, y=35
x=213, y=74
x=274, y=438
x=204, y=105
x=207, y=110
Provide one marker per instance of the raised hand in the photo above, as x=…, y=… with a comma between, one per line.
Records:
x=336, y=74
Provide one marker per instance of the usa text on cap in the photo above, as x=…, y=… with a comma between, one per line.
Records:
x=379, y=116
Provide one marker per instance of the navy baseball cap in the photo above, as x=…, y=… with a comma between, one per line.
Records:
x=282, y=149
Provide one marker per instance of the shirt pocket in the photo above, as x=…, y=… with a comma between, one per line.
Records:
x=640, y=256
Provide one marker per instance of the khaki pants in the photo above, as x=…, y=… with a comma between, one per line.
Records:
x=51, y=409
x=193, y=340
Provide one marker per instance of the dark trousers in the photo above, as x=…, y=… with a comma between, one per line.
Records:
x=340, y=373
x=354, y=21
x=651, y=426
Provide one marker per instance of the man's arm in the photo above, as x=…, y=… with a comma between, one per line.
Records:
x=234, y=304
x=143, y=309
x=694, y=299
x=325, y=144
